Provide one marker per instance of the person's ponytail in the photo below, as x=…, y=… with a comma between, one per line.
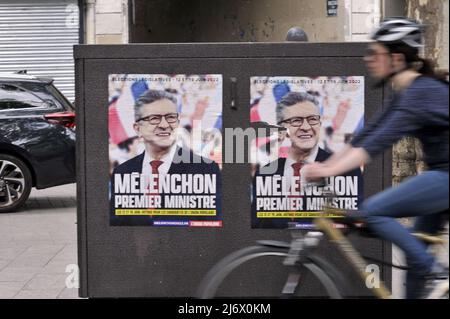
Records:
x=427, y=69
x=414, y=61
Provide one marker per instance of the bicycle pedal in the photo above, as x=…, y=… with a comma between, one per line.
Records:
x=293, y=254
x=437, y=290
x=291, y=284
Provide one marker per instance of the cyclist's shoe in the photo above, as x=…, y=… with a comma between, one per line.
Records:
x=436, y=283
x=439, y=271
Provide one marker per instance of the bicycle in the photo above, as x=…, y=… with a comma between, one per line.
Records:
x=301, y=256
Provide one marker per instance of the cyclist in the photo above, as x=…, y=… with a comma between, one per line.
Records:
x=419, y=108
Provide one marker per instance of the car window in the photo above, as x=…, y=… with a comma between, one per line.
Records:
x=58, y=96
x=13, y=97
x=47, y=92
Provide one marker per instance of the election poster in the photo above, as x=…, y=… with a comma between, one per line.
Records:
x=165, y=150
x=315, y=118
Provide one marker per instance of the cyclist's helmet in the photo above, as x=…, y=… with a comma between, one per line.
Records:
x=399, y=30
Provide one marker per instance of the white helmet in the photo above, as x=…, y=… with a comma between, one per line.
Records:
x=399, y=30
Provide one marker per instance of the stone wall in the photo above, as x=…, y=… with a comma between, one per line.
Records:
x=233, y=20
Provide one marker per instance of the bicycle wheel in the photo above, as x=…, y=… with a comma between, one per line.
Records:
x=218, y=274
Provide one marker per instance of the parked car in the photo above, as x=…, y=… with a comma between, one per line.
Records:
x=37, y=138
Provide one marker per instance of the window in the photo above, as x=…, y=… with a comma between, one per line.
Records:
x=59, y=97
x=13, y=97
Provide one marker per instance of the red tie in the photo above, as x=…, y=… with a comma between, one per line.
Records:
x=297, y=167
x=155, y=165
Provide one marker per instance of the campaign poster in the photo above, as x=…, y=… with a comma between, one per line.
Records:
x=165, y=150
x=317, y=117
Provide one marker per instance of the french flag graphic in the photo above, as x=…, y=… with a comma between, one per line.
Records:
x=120, y=111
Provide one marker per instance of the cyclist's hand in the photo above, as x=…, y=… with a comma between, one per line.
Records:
x=315, y=171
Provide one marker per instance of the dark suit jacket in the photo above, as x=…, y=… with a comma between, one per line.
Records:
x=277, y=168
x=184, y=162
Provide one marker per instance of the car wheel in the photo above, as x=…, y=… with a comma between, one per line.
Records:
x=15, y=183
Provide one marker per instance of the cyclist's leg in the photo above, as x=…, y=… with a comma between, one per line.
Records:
x=408, y=199
x=414, y=285
x=431, y=224
x=416, y=196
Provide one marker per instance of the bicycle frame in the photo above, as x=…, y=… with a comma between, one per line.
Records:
x=359, y=264
x=350, y=253
x=300, y=252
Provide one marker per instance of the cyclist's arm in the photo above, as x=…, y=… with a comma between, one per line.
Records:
x=400, y=122
x=359, y=138
x=338, y=155
x=371, y=126
x=353, y=158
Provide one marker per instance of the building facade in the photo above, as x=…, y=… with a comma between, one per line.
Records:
x=38, y=35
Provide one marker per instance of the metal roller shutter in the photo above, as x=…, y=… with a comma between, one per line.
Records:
x=38, y=36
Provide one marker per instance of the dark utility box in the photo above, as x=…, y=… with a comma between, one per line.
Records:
x=141, y=261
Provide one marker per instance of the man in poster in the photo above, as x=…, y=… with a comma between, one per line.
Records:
x=166, y=185
x=277, y=188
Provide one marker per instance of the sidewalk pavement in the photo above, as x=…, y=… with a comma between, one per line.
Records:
x=37, y=244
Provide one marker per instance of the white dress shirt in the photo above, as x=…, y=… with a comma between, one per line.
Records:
x=164, y=167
